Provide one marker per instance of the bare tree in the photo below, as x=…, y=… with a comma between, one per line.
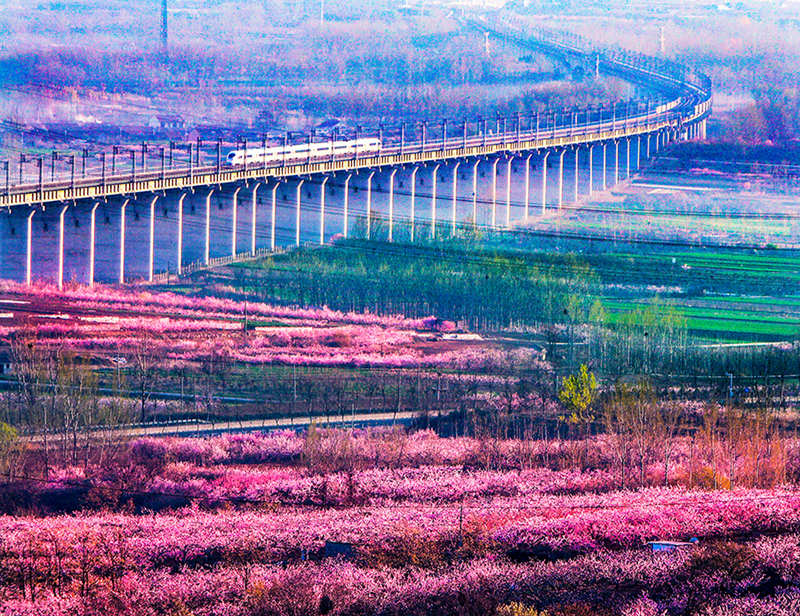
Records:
x=143, y=362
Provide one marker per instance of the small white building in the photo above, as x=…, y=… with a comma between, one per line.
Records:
x=169, y=120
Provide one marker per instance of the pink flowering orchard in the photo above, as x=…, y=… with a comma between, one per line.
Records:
x=244, y=524
x=184, y=329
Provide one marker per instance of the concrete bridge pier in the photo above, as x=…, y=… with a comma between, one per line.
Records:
x=605, y=165
x=390, y=237
x=207, y=250
x=591, y=170
x=369, y=204
x=433, y=199
x=92, y=232
x=577, y=172
x=638, y=151
x=561, y=178
x=322, y=210
x=122, y=211
x=260, y=214
x=331, y=220
x=628, y=158
x=346, y=204
x=234, y=217
x=103, y=246
x=274, y=211
x=63, y=211
x=29, y=245
x=413, y=201
x=494, y=192
x=298, y=201
x=151, y=238
x=76, y=243
x=475, y=193
x=509, y=162
x=43, y=230
x=179, y=262
x=455, y=194
x=527, y=185
x=254, y=217
x=544, y=182
x=227, y=228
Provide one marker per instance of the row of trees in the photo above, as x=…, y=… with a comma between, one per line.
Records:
x=645, y=436
x=652, y=435
x=556, y=299
x=57, y=398
x=70, y=408
x=481, y=289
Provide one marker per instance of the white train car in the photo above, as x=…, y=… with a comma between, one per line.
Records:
x=302, y=152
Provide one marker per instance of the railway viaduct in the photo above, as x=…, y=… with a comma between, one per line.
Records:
x=140, y=214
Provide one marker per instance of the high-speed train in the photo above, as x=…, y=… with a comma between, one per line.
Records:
x=300, y=152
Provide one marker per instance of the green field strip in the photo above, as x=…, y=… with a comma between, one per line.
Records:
x=716, y=257
x=731, y=327
x=641, y=266
x=734, y=254
x=738, y=269
x=777, y=301
x=769, y=330
x=699, y=321
x=755, y=259
x=700, y=225
x=701, y=312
